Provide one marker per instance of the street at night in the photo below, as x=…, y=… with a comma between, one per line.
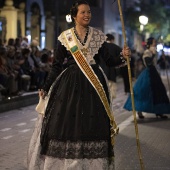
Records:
x=82, y=58
x=16, y=127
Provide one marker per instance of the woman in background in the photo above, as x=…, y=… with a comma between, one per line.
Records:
x=149, y=91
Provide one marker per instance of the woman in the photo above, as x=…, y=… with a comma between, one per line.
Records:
x=149, y=91
x=75, y=131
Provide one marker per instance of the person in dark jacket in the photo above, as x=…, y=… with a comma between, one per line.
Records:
x=110, y=72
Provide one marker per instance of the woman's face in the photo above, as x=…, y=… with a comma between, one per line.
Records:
x=83, y=16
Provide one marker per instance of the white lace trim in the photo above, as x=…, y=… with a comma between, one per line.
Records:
x=94, y=41
x=37, y=162
x=147, y=53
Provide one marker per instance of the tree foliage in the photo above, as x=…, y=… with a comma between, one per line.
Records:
x=158, y=15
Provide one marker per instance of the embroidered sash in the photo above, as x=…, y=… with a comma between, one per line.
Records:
x=91, y=76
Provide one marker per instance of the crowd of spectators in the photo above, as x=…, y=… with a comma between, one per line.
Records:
x=23, y=66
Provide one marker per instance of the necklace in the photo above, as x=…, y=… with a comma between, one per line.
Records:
x=85, y=38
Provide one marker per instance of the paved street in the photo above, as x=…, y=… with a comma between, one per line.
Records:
x=16, y=127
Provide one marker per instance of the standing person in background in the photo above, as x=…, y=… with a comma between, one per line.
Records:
x=111, y=71
x=75, y=130
x=149, y=91
x=133, y=64
x=124, y=74
x=163, y=62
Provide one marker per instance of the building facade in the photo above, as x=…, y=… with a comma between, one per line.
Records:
x=45, y=19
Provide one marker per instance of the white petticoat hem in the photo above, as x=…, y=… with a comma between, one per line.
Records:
x=37, y=162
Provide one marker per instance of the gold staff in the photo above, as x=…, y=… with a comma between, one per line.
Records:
x=131, y=90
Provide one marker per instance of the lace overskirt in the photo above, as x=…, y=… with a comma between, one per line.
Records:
x=35, y=161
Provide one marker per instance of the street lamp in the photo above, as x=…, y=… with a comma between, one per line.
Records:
x=143, y=21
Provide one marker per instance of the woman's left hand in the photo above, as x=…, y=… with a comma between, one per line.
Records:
x=126, y=52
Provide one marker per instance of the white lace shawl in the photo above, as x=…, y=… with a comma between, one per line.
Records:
x=94, y=41
x=148, y=53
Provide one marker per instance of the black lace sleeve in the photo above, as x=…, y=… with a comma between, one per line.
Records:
x=57, y=66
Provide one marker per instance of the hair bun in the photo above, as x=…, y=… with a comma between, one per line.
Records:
x=149, y=42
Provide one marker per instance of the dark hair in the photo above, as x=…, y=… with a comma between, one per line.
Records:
x=11, y=41
x=25, y=51
x=17, y=41
x=74, y=8
x=44, y=58
x=149, y=42
x=110, y=37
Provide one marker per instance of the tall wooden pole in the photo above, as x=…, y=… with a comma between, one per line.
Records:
x=131, y=90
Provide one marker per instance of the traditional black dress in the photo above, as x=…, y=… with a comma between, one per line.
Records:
x=75, y=132
x=149, y=91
